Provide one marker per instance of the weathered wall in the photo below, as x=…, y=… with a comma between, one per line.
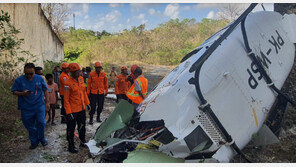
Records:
x=39, y=38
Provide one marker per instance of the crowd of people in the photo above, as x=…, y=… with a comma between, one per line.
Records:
x=80, y=90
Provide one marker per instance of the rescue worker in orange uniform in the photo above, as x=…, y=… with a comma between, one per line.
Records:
x=97, y=89
x=63, y=78
x=138, y=91
x=131, y=78
x=122, y=85
x=75, y=101
x=81, y=79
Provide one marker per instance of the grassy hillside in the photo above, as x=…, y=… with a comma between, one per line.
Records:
x=164, y=45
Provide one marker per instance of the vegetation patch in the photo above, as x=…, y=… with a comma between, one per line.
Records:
x=166, y=44
x=49, y=157
x=12, y=132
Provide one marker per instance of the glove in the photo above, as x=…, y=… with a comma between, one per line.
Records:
x=70, y=117
x=88, y=108
x=106, y=93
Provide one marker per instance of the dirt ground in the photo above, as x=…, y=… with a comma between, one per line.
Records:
x=56, y=151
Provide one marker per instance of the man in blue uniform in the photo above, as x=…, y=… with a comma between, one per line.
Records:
x=30, y=89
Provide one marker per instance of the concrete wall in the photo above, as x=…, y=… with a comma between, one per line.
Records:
x=39, y=38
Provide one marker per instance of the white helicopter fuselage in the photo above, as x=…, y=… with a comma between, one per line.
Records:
x=232, y=85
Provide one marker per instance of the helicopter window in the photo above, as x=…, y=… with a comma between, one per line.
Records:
x=198, y=140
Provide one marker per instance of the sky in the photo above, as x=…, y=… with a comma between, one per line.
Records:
x=115, y=17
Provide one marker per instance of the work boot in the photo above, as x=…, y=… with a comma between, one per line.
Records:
x=45, y=143
x=72, y=150
x=98, y=119
x=71, y=147
x=33, y=147
x=91, y=121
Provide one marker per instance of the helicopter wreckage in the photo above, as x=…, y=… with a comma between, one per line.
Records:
x=209, y=106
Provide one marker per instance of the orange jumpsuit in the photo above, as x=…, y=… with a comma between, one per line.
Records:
x=63, y=78
x=75, y=97
x=97, y=88
x=121, y=87
x=97, y=84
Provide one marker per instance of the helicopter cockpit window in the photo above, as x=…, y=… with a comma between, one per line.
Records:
x=198, y=140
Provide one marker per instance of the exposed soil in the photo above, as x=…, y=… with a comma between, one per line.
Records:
x=56, y=151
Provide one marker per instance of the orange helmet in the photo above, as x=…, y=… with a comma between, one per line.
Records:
x=98, y=64
x=65, y=65
x=74, y=67
x=133, y=68
x=123, y=68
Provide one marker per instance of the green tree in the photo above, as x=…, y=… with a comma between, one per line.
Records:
x=71, y=55
x=105, y=33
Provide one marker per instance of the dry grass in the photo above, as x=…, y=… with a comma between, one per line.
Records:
x=12, y=132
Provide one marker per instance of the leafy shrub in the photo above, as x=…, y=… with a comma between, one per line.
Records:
x=72, y=54
x=11, y=54
x=49, y=66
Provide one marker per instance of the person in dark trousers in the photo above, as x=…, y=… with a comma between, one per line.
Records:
x=76, y=101
x=56, y=74
x=56, y=77
x=86, y=74
x=31, y=90
x=97, y=89
x=122, y=85
x=63, y=78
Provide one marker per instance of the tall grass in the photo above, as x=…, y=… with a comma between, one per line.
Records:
x=11, y=126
